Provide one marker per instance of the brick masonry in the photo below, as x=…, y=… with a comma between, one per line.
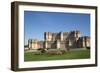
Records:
x=65, y=40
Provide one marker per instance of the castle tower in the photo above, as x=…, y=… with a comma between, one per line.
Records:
x=35, y=44
x=77, y=34
x=30, y=44
x=45, y=36
x=61, y=36
x=48, y=36
x=45, y=44
x=87, y=41
x=58, y=44
x=83, y=42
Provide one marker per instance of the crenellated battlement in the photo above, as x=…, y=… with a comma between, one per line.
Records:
x=58, y=40
x=62, y=36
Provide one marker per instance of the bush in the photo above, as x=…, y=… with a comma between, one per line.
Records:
x=88, y=47
x=53, y=51
x=37, y=52
x=42, y=50
x=63, y=51
x=39, y=48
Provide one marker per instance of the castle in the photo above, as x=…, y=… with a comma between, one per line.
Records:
x=60, y=40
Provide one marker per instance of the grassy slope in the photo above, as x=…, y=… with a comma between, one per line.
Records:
x=76, y=54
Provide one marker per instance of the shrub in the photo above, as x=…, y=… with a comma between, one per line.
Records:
x=63, y=51
x=88, y=47
x=37, y=52
x=39, y=48
x=42, y=50
x=53, y=51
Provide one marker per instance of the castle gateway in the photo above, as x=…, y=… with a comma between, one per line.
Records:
x=61, y=40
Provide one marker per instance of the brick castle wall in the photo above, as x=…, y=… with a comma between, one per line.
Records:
x=70, y=39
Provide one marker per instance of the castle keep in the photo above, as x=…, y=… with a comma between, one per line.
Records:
x=60, y=40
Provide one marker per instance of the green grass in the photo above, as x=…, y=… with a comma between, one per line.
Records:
x=75, y=54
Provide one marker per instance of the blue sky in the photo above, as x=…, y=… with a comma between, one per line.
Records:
x=37, y=22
